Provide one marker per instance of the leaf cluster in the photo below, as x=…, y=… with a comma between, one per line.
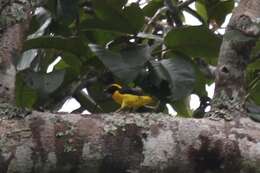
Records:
x=102, y=42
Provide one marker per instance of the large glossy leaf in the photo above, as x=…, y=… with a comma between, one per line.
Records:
x=179, y=73
x=196, y=41
x=44, y=84
x=181, y=76
x=73, y=44
x=127, y=20
x=125, y=64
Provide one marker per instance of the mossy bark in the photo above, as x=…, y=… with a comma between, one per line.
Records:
x=105, y=143
x=241, y=35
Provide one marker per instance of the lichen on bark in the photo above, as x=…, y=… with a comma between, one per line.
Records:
x=241, y=35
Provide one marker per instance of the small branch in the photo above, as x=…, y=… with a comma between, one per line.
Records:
x=79, y=110
x=185, y=4
x=195, y=14
x=57, y=101
x=154, y=18
x=208, y=70
x=174, y=12
x=87, y=102
x=164, y=9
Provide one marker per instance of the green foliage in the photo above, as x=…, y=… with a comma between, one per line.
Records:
x=25, y=96
x=113, y=18
x=102, y=42
x=73, y=45
x=214, y=11
x=151, y=8
x=179, y=74
x=195, y=41
x=125, y=64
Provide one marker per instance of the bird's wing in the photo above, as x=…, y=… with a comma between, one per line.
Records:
x=135, y=91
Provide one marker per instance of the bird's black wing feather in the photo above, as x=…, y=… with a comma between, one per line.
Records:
x=134, y=91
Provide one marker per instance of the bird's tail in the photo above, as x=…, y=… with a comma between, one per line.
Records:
x=147, y=100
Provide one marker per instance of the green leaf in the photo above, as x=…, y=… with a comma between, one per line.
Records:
x=127, y=20
x=125, y=64
x=73, y=61
x=201, y=9
x=217, y=11
x=73, y=44
x=43, y=83
x=214, y=10
x=100, y=37
x=182, y=107
x=181, y=76
x=152, y=6
x=256, y=64
x=196, y=41
x=255, y=92
x=178, y=72
x=24, y=95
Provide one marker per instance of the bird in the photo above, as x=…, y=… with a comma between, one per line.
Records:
x=128, y=98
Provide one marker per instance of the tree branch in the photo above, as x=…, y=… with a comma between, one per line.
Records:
x=185, y=4
x=230, y=90
x=143, y=143
x=174, y=11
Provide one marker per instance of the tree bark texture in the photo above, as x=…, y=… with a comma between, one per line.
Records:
x=241, y=35
x=118, y=143
x=15, y=17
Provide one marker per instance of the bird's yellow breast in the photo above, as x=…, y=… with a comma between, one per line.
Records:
x=130, y=100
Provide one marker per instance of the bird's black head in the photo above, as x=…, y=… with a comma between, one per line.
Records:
x=112, y=88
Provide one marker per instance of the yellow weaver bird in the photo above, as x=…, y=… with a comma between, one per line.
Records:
x=128, y=98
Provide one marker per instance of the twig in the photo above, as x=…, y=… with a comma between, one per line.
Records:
x=174, y=12
x=154, y=18
x=208, y=70
x=185, y=4
x=195, y=14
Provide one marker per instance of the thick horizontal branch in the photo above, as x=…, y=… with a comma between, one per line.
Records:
x=45, y=142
